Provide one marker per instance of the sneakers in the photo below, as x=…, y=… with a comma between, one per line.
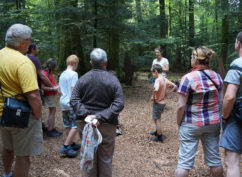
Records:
x=53, y=133
x=68, y=151
x=75, y=146
x=118, y=131
x=158, y=138
x=9, y=175
x=153, y=133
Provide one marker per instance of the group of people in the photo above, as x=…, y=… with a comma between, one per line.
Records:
x=98, y=95
x=202, y=110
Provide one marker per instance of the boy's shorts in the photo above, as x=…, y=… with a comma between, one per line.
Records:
x=24, y=142
x=157, y=110
x=50, y=101
x=69, y=119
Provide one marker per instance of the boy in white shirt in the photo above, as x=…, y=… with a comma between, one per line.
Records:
x=67, y=82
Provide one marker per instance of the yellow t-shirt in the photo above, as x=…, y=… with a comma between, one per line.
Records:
x=17, y=74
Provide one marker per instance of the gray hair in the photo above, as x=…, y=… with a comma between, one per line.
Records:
x=98, y=57
x=16, y=33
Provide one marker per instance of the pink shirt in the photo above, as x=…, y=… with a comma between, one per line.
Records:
x=50, y=76
x=160, y=88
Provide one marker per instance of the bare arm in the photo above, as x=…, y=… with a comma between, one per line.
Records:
x=221, y=100
x=44, y=78
x=46, y=88
x=182, y=101
x=172, y=87
x=229, y=99
x=35, y=103
x=166, y=68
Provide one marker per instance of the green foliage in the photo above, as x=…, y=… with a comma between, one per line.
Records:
x=64, y=27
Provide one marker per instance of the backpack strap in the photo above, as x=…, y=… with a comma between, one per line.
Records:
x=234, y=67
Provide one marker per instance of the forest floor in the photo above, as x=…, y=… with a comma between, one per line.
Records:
x=135, y=155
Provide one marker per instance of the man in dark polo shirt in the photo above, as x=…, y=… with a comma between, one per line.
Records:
x=98, y=94
x=32, y=54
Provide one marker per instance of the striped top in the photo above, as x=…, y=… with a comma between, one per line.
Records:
x=203, y=97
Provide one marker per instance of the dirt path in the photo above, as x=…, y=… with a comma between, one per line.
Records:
x=135, y=155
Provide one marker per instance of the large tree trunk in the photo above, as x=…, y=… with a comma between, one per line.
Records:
x=95, y=24
x=224, y=39
x=163, y=22
x=113, y=52
x=114, y=39
x=169, y=20
x=191, y=23
x=69, y=36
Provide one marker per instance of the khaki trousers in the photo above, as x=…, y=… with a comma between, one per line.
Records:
x=102, y=165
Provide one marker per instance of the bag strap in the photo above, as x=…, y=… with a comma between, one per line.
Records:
x=2, y=91
x=234, y=67
x=210, y=79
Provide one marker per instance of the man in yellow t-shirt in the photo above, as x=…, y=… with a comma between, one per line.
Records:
x=18, y=76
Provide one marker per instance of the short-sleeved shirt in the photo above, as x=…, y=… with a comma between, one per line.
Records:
x=161, y=85
x=163, y=62
x=203, y=97
x=17, y=74
x=51, y=78
x=234, y=76
x=67, y=81
x=37, y=65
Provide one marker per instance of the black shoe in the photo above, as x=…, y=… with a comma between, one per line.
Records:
x=157, y=138
x=44, y=128
x=153, y=133
x=75, y=146
x=53, y=133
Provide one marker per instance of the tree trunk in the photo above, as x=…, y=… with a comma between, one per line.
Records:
x=191, y=23
x=163, y=23
x=20, y=4
x=138, y=11
x=224, y=39
x=69, y=36
x=169, y=20
x=114, y=39
x=95, y=24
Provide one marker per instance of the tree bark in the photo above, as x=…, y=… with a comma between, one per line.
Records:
x=224, y=38
x=169, y=20
x=95, y=24
x=191, y=23
x=69, y=36
x=163, y=22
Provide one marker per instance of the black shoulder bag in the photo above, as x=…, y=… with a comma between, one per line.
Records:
x=237, y=109
x=15, y=112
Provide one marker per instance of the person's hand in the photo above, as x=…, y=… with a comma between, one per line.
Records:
x=56, y=88
x=89, y=118
x=95, y=123
x=152, y=98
